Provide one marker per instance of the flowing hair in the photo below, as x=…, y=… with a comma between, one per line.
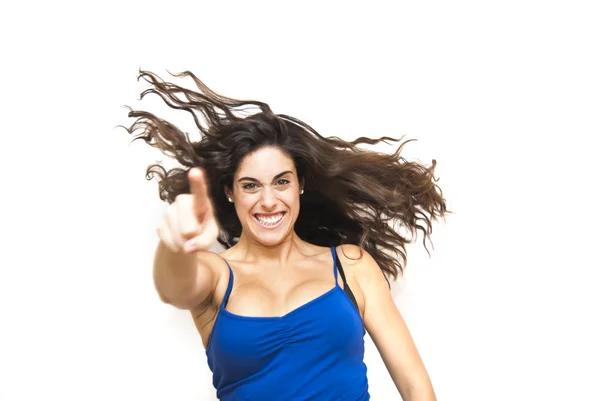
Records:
x=377, y=201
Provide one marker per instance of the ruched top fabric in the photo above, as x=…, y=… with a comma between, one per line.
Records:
x=314, y=352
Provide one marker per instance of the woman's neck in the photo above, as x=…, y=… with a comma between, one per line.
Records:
x=253, y=251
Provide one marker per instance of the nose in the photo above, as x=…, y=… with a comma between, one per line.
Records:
x=268, y=199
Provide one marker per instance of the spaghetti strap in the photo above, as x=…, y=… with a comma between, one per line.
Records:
x=338, y=265
x=229, y=285
x=335, y=270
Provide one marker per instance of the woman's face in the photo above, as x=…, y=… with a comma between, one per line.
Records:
x=266, y=194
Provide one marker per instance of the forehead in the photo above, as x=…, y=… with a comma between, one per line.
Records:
x=265, y=163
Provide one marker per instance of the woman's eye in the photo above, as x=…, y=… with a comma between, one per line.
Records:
x=283, y=182
x=249, y=186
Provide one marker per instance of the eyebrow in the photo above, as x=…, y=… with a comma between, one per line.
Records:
x=274, y=178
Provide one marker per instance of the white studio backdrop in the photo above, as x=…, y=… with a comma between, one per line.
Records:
x=503, y=95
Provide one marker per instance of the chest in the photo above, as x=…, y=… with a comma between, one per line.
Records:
x=276, y=293
x=325, y=327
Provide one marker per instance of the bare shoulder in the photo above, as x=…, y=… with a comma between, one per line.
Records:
x=351, y=254
x=218, y=266
x=204, y=314
x=359, y=264
x=214, y=261
x=355, y=257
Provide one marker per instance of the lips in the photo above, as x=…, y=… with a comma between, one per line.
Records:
x=269, y=220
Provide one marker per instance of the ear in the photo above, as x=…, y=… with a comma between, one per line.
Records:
x=228, y=193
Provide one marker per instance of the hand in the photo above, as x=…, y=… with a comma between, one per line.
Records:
x=189, y=224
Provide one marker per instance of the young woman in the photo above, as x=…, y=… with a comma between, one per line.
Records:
x=310, y=226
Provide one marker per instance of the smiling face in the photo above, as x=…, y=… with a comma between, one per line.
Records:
x=266, y=194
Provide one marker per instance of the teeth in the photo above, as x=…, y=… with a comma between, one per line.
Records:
x=270, y=220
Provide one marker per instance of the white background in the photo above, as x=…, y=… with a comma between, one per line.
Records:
x=504, y=95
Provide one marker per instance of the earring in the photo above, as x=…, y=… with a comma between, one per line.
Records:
x=230, y=200
x=301, y=192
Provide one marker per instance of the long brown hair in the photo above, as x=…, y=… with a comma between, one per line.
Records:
x=351, y=195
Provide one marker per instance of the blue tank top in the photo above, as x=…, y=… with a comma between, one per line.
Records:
x=314, y=352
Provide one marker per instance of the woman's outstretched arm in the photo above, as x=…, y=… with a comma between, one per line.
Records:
x=184, y=272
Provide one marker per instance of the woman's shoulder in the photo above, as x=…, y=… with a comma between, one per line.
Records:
x=358, y=262
x=351, y=254
x=220, y=269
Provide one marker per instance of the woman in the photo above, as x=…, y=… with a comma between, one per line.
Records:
x=310, y=226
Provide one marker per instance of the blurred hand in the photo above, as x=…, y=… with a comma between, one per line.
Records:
x=189, y=224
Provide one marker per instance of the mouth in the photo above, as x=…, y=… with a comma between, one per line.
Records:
x=269, y=221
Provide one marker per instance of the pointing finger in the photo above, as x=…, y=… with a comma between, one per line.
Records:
x=199, y=190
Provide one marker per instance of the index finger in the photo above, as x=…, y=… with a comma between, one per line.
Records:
x=199, y=189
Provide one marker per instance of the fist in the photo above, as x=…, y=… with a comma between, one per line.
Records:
x=189, y=224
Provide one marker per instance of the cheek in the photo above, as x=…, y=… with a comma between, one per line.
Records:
x=292, y=201
x=245, y=203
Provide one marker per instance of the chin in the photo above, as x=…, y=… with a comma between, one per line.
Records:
x=271, y=239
